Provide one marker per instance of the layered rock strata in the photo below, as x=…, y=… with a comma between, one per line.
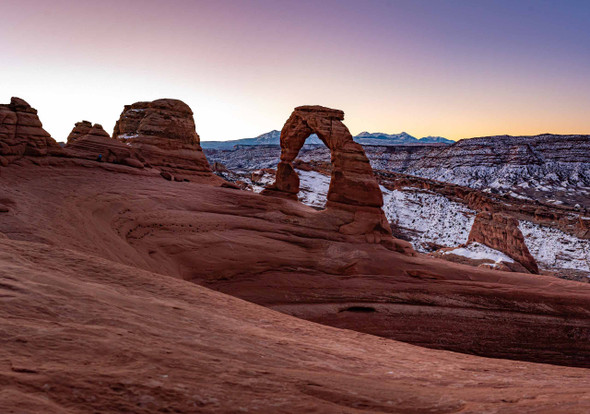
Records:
x=163, y=133
x=22, y=134
x=552, y=168
x=570, y=220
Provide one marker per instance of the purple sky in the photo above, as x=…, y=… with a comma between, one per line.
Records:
x=451, y=68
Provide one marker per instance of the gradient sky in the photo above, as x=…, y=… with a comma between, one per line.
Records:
x=451, y=68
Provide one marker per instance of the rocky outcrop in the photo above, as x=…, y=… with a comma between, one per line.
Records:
x=353, y=182
x=501, y=232
x=92, y=142
x=86, y=129
x=163, y=133
x=22, y=134
x=433, y=214
x=353, y=187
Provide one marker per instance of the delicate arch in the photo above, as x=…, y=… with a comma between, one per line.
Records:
x=353, y=182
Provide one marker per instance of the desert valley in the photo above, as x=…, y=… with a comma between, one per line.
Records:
x=140, y=273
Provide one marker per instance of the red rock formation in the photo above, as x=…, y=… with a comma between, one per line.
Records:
x=163, y=133
x=21, y=133
x=353, y=187
x=85, y=129
x=500, y=231
x=94, y=143
x=278, y=253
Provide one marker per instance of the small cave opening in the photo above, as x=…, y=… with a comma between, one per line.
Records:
x=359, y=309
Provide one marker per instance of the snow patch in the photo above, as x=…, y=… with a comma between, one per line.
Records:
x=127, y=136
x=433, y=217
x=313, y=188
x=553, y=248
x=478, y=251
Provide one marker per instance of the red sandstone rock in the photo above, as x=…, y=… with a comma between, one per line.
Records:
x=82, y=334
x=353, y=187
x=500, y=231
x=163, y=133
x=85, y=129
x=21, y=133
x=290, y=257
x=93, y=143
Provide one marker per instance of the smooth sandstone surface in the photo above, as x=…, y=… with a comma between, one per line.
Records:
x=81, y=334
x=92, y=142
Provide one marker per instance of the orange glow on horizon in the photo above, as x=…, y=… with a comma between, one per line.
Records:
x=243, y=66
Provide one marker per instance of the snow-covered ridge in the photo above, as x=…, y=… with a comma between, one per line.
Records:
x=364, y=138
x=429, y=217
x=553, y=248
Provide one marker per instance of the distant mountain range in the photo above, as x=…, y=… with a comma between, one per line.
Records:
x=364, y=138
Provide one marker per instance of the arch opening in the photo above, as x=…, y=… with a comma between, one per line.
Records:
x=353, y=186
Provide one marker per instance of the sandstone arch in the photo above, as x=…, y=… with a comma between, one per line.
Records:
x=353, y=186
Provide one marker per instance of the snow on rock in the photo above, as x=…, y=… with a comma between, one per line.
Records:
x=127, y=136
x=429, y=217
x=553, y=248
x=433, y=218
x=478, y=251
x=313, y=188
x=258, y=186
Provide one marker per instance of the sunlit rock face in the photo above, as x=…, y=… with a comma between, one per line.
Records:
x=22, y=134
x=163, y=133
